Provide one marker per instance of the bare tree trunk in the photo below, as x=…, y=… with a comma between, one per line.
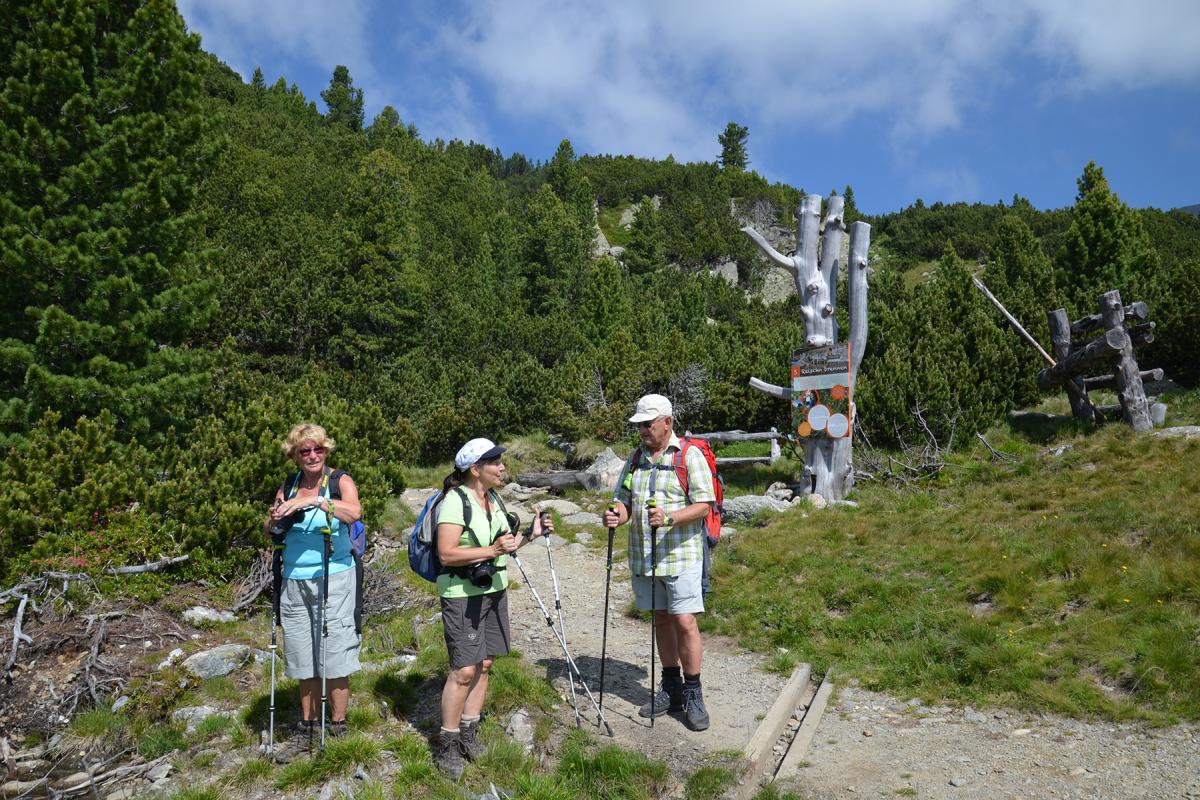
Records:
x=828, y=463
x=1130, y=391
x=1060, y=336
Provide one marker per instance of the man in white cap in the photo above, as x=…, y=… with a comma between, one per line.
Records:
x=676, y=522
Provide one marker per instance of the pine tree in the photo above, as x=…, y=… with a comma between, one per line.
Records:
x=733, y=146
x=1021, y=277
x=103, y=145
x=647, y=249
x=345, y=103
x=1106, y=248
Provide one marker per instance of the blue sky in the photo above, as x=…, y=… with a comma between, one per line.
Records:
x=944, y=100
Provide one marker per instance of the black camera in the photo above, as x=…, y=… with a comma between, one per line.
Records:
x=281, y=526
x=481, y=574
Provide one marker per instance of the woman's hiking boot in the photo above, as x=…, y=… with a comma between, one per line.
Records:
x=668, y=699
x=335, y=729
x=298, y=744
x=695, y=715
x=472, y=748
x=448, y=754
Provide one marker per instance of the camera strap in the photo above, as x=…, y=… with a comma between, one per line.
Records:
x=460, y=572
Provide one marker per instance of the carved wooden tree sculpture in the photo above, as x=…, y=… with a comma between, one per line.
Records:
x=827, y=462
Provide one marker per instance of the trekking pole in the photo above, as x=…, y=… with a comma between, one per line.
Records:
x=562, y=642
x=651, y=505
x=607, y=583
x=277, y=585
x=325, y=553
x=562, y=625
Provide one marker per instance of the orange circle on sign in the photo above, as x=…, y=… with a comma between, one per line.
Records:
x=838, y=392
x=804, y=429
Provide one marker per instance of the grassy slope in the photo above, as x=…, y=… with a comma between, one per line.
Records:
x=1091, y=561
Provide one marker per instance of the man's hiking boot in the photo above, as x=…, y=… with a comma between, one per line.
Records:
x=472, y=748
x=695, y=715
x=335, y=729
x=448, y=755
x=668, y=699
x=298, y=744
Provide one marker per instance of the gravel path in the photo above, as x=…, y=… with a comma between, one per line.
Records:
x=737, y=690
x=871, y=745
x=867, y=744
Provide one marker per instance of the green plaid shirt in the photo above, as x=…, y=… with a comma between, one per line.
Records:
x=681, y=546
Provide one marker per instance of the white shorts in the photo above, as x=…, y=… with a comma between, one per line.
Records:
x=300, y=612
x=675, y=594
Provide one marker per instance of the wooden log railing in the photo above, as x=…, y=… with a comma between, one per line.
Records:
x=1136, y=310
x=773, y=435
x=1112, y=351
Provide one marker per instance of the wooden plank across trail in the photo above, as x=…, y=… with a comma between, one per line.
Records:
x=758, y=751
x=808, y=729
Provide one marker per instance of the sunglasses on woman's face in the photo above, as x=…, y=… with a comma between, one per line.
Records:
x=306, y=451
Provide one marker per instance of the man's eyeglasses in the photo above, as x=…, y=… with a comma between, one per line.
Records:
x=305, y=451
x=647, y=423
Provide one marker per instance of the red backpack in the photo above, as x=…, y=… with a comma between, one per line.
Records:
x=712, y=523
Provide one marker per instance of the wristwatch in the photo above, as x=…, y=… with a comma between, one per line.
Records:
x=670, y=522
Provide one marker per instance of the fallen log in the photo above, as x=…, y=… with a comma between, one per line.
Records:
x=153, y=566
x=564, y=479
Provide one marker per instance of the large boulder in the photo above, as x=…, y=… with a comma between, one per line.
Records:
x=603, y=473
x=218, y=661
x=415, y=498
x=738, y=509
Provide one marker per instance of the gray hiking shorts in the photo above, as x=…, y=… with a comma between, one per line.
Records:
x=675, y=594
x=300, y=612
x=476, y=628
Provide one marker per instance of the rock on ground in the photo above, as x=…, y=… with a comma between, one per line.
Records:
x=220, y=660
x=743, y=508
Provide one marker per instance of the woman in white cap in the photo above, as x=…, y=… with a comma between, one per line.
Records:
x=474, y=536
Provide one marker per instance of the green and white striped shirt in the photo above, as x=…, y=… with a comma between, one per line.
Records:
x=677, y=548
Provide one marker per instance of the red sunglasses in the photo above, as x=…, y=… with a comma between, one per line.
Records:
x=318, y=449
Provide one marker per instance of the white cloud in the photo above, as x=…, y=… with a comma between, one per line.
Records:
x=251, y=33
x=1117, y=42
x=665, y=76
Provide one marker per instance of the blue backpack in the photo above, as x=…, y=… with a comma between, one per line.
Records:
x=422, y=542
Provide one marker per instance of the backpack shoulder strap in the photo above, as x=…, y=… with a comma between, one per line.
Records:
x=466, y=503
x=335, y=484
x=294, y=480
x=681, y=470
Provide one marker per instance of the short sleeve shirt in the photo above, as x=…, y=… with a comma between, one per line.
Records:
x=678, y=548
x=486, y=530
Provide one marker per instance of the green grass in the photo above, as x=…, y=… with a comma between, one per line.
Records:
x=158, y=740
x=251, y=773
x=97, y=723
x=608, y=772
x=1093, y=575
x=341, y=757
x=709, y=783
x=197, y=793
x=610, y=223
x=514, y=685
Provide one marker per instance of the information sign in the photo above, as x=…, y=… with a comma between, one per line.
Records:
x=821, y=399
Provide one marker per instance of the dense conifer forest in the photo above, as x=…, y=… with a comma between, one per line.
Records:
x=192, y=263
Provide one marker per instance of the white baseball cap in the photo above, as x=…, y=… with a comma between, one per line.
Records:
x=652, y=406
x=476, y=450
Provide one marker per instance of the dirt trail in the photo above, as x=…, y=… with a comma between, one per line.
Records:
x=737, y=690
x=867, y=744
